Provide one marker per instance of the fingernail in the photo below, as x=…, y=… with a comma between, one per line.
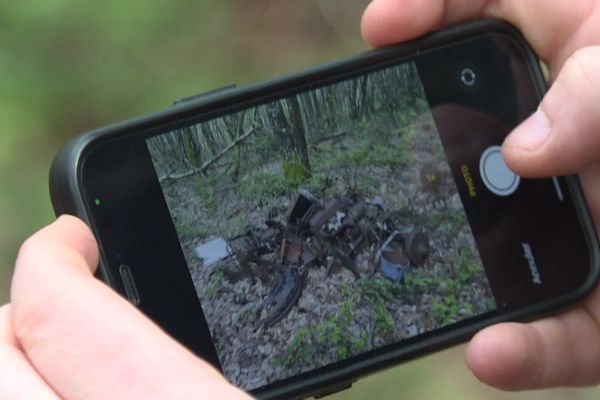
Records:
x=532, y=133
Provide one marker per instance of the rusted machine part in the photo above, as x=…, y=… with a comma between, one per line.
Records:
x=393, y=261
x=321, y=223
x=373, y=234
x=358, y=243
x=333, y=267
x=283, y=250
x=283, y=297
x=297, y=253
x=297, y=209
x=385, y=225
x=351, y=232
x=357, y=211
x=292, y=253
x=346, y=261
x=307, y=257
x=317, y=250
x=267, y=239
x=399, y=218
x=416, y=246
x=415, y=243
x=256, y=243
x=308, y=216
x=302, y=209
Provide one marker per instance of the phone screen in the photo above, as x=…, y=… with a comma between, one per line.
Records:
x=346, y=217
x=321, y=225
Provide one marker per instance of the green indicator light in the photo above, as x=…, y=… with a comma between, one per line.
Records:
x=97, y=202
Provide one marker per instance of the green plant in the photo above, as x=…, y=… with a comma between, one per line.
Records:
x=345, y=290
x=250, y=314
x=295, y=173
x=263, y=185
x=317, y=183
x=332, y=334
x=206, y=191
x=345, y=316
x=450, y=286
x=378, y=291
x=363, y=343
x=374, y=288
x=299, y=352
x=467, y=272
x=215, y=282
x=489, y=304
x=190, y=230
x=418, y=281
x=367, y=153
x=382, y=318
x=446, y=311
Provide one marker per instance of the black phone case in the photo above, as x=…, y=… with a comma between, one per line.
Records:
x=67, y=192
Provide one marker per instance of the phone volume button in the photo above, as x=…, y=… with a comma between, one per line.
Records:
x=129, y=284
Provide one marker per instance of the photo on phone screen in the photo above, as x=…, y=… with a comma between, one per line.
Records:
x=322, y=225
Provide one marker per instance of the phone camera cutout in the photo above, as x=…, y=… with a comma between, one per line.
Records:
x=468, y=78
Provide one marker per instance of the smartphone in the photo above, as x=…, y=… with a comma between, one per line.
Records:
x=303, y=232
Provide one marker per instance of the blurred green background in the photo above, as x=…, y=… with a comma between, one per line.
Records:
x=67, y=67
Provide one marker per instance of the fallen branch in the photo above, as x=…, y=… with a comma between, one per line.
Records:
x=332, y=137
x=216, y=158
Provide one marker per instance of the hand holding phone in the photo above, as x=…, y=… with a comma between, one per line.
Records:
x=66, y=334
x=384, y=240
x=547, y=352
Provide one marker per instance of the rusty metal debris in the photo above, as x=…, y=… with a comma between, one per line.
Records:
x=417, y=247
x=392, y=257
x=284, y=296
x=329, y=234
x=400, y=251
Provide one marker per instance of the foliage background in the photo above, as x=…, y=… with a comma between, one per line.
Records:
x=67, y=67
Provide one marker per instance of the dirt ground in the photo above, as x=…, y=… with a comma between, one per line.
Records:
x=337, y=315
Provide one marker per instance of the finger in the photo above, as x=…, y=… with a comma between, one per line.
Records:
x=390, y=21
x=19, y=379
x=560, y=27
x=6, y=334
x=558, y=351
x=72, y=234
x=563, y=137
x=88, y=342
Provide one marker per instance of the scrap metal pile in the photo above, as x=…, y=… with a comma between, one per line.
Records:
x=327, y=234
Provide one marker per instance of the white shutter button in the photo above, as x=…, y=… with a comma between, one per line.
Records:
x=496, y=175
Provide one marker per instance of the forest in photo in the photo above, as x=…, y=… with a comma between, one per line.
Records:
x=321, y=225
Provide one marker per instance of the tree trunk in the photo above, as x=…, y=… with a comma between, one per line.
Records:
x=297, y=132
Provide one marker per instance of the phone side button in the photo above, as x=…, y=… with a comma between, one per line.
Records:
x=334, y=389
x=129, y=283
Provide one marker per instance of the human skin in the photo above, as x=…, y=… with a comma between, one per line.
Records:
x=66, y=335
x=562, y=137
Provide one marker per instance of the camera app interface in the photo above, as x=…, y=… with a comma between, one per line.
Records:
x=321, y=226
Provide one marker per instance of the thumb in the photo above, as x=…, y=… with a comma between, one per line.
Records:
x=563, y=136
